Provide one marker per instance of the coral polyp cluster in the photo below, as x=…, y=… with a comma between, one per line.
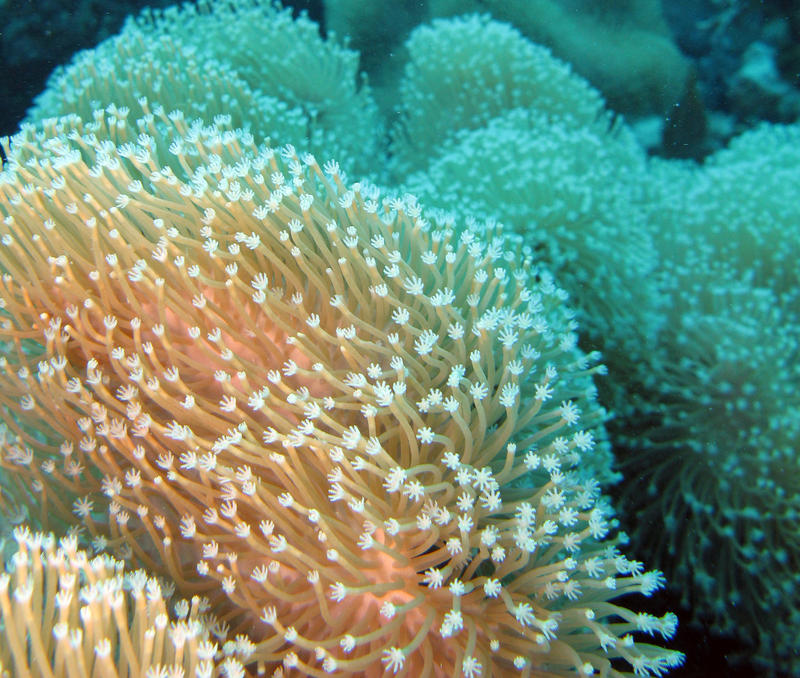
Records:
x=371, y=439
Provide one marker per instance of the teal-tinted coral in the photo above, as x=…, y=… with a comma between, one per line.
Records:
x=717, y=433
x=736, y=213
x=450, y=60
x=139, y=73
x=272, y=74
x=623, y=47
x=719, y=459
x=747, y=208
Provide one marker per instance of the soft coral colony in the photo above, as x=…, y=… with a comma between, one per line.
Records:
x=364, y=440
x=359, y=430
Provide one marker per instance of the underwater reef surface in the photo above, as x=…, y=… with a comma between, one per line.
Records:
x=522, y=128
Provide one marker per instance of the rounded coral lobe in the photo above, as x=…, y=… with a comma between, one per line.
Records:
x=372, y=436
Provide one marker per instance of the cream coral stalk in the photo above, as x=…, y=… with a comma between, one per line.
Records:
x=63, y=613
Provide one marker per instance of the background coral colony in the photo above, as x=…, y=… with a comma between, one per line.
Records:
x=432, y=338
